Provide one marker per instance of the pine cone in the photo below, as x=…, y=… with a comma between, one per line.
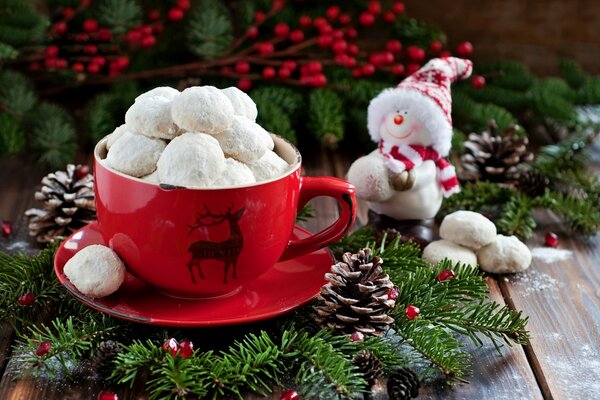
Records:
x=68, y=204
x=103, y=360
x=403, y=384
x=358, y=296
x=533, y=183
x=369, y=365
x=495, y=157
x=390, y=235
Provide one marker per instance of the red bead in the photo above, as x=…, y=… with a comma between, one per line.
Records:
x=93, y=68
x=171, y=346
x=352, y=49
x=398, y=7
x=464, y=49
x=415, y=53
x=269, y=73
x=259, y=17
x=265, y=48
x=154, y=15
x=551, y=239
x=252, y=32
x=445, y=53
x=244, y=84
x=345, y=19
x=90, y=25
x=332, y=12
x=148, y=41
x=98, y=60
x=305, y=21
x=183, y=5
x=351, y=33
x=51, y=51
x=60, y=27
x=411, y=68
x=289, y=395
x=339, y=46
x=186, y=348
x=366, y=18
x=435, y=46
x=90, y=49
x=357, y=337
x=394, y=45
x=122, y=62
x=374, y=7
x=175, y=14
x=242, y=67
x=324, y=41
x=284, y=73
x=446, y=274
x=478, y=82
x=82, y=171
x=412, y=312
x=107, y=396
x=61, y=63
x=281, y=29
x=296, y=36
x=43, y=349
x=398, y=69
x=104, y=34
x=389, y=17
x=290, y=64
x=27, y=299
x=392, y=293
x=314, y=67
x=68, y=12
x=78, y=67
x=368, y=69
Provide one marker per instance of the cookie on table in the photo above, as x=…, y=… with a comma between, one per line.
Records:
x=507, y=254
x=438, y=250
x=468, y=228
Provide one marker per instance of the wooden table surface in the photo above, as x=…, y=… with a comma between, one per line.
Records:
x=561, y=298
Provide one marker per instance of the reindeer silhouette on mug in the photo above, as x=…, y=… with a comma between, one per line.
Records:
x=226, y=251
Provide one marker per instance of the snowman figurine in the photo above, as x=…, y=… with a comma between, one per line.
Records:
x=407, y=177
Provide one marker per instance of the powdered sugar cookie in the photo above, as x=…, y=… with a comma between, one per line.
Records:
x=235, y=173
x=507, y=254
x=468, y=228
x=202, y=109
x=243, y=140
x=269, y=166
x=151, y=116
x=117, y=133
x=243, y=105
x=152, y=178
x=135, y=155
x=436, y=251
x=161, y=91
x=191, y=160
x=95, y=271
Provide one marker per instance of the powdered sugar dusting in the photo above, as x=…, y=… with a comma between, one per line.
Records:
x=536, y=282
x=577, y=373
x=550, y=255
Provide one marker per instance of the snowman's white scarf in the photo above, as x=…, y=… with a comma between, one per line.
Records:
x=406, y=157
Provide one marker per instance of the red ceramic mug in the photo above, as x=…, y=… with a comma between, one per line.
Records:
x=208, y=242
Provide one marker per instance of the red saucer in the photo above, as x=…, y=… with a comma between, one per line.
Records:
x=286, y=286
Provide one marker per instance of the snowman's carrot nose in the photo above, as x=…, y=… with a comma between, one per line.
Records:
x=398, y=119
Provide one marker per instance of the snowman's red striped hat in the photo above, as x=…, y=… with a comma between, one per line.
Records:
x=425, y=94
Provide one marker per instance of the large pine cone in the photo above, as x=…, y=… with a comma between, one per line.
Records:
x=68, y=198
x=403, y=384
x=358, y=296
x=495, y=157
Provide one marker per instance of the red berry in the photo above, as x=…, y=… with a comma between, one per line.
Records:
x=122, y=62
x=314, y=67
x=107, y=396
x=398, y=7
x=68, y=12
x=244, y=84
x=78, y=67
x=51, y=51
x=296, y=36
x=90, y=25
x=85, y=3
x=43, y=349
x=337, y=34
x=415, y=53
x=183, y=5
x=332, y=12
x=319, y=80
x=186, y=348
x=104, y=34
x=464, y=49
x=27, y=299
x=398, y=69
x=242, y=67
x=281, y=29
x=82, y=37
x=445, y=53
x=341, y=58
x=375, y=59
x=351, y=33
x=345, y=19
x=352, y=49
x=478, y=82
x=446, y=274
x=50, y=63
x=133, y=36
x=82, y=171
x=412, y=312
x=357, y=73
x=305, y=21
x=350, y=62
x=98, y=60
x=289, y=395
x=411, y=68
x=36, y=66
x=278, y=5
x=269, y=73
x=60, y=27
x=366, y=18
x=392, y=293
x=90, y=49
x=389, y=17
x=175, y=14
x=435, y=46
x=284, y=73
x=158, y=27
x=357, y=337
x=171, y=346
x=320, y=23
x=154, y=15
x=93, y=68
x=145, y=29
x=368, y=69
x=148, y=41
x=551, y=239
x=252, y=32
x=324, y=41
x=339, y=46
x=61, y=63
x=265, y=48
x=289, y=64
x=374, y=7
x=394, y=45
x=386, y=57
x=259, y=17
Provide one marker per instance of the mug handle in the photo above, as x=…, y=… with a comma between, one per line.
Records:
x=343, y=193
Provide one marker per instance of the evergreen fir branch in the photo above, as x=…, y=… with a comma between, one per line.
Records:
x=553, y=98
x=55, y=141
x=508, y=74
x=399, y=258
x=353, y=241
x=7, y=52
x=290, y=100
x=134, y=359
x=119, y=15
x=517, y=218
x=16, y=93
x=476, y=196
x=508, y=98
x=274, y=119
x=106, y=110
x=572, y=73
x=589, y=93
x=410, y=30
x=179, y=378
x=210, y=30
x=567, y=155
x=12, y=137
x=307, y=212
x=21, y=23
x=458, y=140
x=477, y=115
x=358, y=92
x=580, y=214
x=326, y=116
x=386, y=352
